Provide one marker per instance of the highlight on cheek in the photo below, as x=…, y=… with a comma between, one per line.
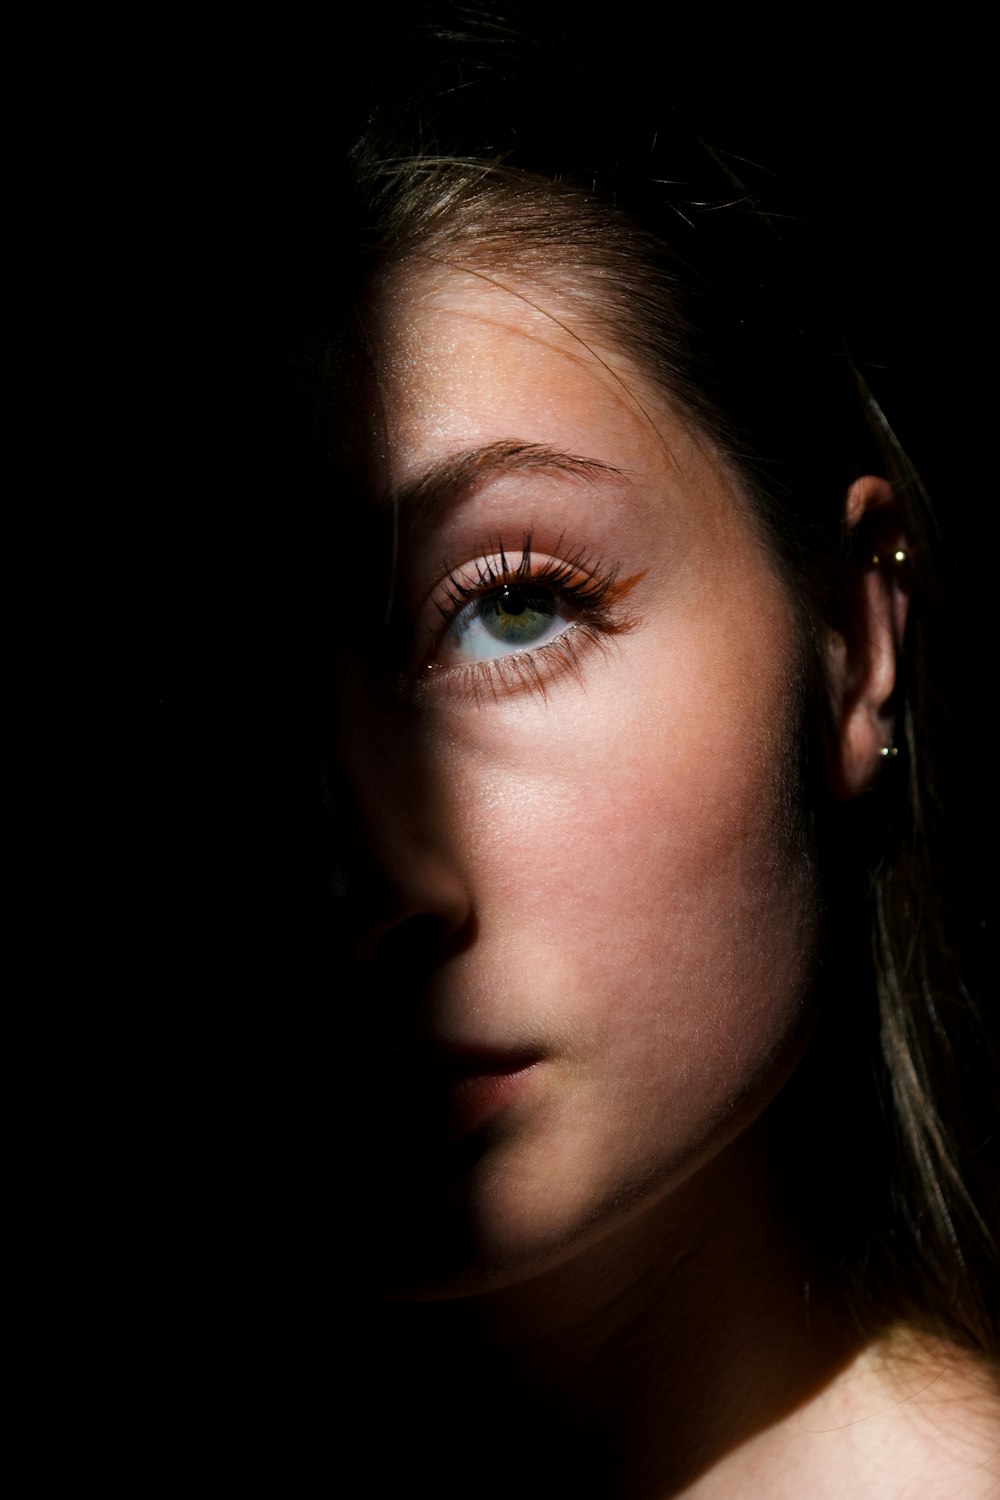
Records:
x=519, y=620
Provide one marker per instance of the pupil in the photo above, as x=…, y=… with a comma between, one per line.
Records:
x=516, y=614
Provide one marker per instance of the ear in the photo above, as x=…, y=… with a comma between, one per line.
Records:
x=867, y=637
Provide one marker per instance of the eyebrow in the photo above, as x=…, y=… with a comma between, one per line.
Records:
x=454, y=477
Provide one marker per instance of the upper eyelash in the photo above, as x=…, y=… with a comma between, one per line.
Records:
x=576, y=580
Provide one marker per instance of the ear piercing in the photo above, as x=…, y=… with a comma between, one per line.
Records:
x=888, y=752
x=899, y=558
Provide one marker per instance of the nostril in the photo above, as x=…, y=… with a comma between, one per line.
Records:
x=415, y=913
x=420, y=942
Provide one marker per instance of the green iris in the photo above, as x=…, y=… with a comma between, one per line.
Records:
x=510, y=618
x=517, y=616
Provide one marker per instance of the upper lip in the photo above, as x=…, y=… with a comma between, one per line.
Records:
x=456, y=1060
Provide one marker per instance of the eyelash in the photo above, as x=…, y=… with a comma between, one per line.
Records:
x=587, y=590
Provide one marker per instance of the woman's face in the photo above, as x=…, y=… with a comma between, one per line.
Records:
x=577, y=834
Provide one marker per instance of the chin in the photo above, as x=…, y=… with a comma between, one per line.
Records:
x=493, y=1224
x=440, y=1234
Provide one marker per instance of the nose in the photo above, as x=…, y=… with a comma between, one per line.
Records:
x=410, y=909
x=401, y=894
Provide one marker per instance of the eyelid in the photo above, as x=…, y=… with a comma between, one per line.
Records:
x=500, y=568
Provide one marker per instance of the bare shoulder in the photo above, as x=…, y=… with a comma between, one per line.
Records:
x=911, y=1418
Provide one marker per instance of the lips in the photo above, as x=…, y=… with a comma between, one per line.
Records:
x=481, y=1087
x=457, y=1091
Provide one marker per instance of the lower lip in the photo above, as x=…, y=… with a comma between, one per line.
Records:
x=476, y=1099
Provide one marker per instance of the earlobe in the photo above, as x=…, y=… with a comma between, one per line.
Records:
x=865, y=643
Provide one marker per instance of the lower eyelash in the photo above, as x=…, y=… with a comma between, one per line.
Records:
x=534, y=670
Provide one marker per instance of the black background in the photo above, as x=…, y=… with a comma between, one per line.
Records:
x=223, y=1151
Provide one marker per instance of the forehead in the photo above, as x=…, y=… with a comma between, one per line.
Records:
x=468, y=359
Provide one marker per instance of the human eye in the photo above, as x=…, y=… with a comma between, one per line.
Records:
x=503, y=617
x=520, y=619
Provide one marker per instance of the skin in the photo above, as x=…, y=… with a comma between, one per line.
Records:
x=599, y=862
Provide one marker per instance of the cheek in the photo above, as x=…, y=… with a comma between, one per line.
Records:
x=642, y=876
x=653, y=935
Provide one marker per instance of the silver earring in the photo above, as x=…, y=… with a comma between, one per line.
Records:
x=888, y=752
